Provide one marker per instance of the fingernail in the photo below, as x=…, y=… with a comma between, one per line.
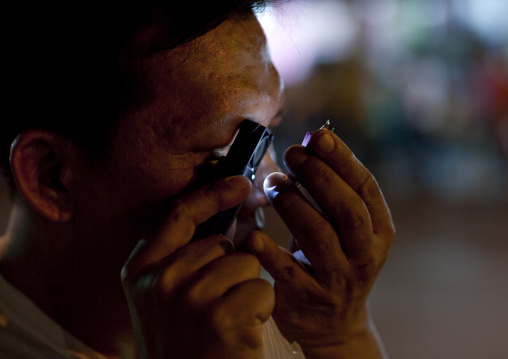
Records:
x=326, y=143
x=227, y=245
x=273, y=180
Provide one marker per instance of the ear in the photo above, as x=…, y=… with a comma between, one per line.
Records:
x=41, y=163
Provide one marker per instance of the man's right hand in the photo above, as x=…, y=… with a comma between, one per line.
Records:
x=197, y=299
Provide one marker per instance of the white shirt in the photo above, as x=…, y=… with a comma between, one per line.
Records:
x=28, y=333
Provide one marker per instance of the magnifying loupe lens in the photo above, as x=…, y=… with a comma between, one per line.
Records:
x=260, y=151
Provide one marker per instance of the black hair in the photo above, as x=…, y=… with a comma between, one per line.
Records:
x=63, y=63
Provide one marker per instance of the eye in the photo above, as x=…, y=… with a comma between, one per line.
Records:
x=222, y=151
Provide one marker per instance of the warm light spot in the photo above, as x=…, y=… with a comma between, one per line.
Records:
x=3, y=321
x=78, y=355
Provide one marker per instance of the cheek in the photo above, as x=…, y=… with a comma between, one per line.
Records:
x=137, y=189
x=159, y=180
x=122, y=206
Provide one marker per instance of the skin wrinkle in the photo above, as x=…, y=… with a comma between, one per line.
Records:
x=159, y=127
x=156, y=156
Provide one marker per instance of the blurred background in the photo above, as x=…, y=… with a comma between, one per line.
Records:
x=419, y=90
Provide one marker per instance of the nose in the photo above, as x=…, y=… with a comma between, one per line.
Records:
x=257, y=196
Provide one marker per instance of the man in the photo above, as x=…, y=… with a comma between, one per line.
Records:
x=117, y=113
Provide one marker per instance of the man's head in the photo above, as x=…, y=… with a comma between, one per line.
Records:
x=70, y=66
x=110, y=132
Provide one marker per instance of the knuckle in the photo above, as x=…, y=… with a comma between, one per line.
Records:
x=368, y=186
x=317, y=170
x=219, y=319
x=196, y=295
x=165, y=281
x=181, y=211
x=212, y=197
x=329, y=302
x=348, y=163
x=320, y=227
x=187, y=212
x=367, y=268
x=357, y=219
x=192, y=296
x=356, y=210
x=189, y=208
x=288, y=273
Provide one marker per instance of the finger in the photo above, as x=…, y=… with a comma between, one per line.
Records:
x=219, y=276
x=191, y=209
x=236, y=320
x=315, y=235
x=277, y=261
x=250, y=303
x=180, y=266
x=343, y=206
x=339, y=157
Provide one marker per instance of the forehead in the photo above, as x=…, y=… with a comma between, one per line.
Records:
x=226, y=62
x=212, y=82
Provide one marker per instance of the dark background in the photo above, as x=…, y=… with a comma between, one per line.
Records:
x=419, y=90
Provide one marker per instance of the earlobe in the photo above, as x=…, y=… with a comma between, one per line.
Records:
x=41, y=164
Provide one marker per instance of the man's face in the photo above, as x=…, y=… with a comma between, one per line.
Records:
x=200, y=93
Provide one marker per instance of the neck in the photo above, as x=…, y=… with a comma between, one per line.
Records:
x=52, y=267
